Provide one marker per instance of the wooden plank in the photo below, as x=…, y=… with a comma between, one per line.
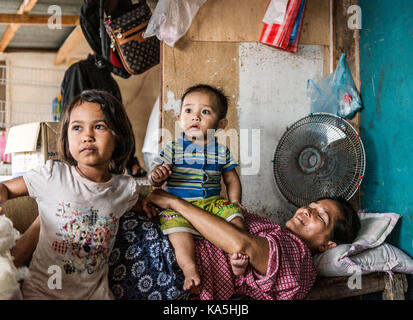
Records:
x=36, y=19
x=337, y=288
x=71, y=42
x=316, y=24
x=26, y=6
x=395, y=287
x=347, y=41
x=190, y=63
x=241, y=21
x=8, y=35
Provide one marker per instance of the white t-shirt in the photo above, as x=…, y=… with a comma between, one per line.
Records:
x=79, y=221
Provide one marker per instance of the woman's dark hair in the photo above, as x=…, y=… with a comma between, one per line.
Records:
x=117, y=121
x=345, y=229
x=222, y=100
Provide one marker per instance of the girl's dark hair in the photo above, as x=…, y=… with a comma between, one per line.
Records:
x=117, y=121
x=345, y=229
x=218, y=93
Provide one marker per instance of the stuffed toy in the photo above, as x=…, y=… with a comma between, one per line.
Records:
x=9, y=274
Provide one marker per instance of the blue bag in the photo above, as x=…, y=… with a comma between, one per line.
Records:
x=335, y=93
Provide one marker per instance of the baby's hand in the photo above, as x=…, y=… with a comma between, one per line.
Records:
x=160, y=173
x=244, y=210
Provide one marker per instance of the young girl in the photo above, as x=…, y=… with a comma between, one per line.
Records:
x=80, y=200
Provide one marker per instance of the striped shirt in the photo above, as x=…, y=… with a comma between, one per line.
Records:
x=196, y=170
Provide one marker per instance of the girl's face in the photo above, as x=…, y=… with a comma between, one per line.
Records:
x=91, y=142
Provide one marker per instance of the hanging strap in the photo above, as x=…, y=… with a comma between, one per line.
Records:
x=102, y=28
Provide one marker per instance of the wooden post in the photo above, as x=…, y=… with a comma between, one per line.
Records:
x=394, y=287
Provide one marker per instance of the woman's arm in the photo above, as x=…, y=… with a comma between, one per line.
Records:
x=218, y=231
x=25, y=246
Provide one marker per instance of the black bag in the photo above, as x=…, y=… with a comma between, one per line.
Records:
x=84, y=75
x=137, y=53
x=91, y=23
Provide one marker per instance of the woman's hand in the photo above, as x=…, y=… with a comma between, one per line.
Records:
x=155, y=200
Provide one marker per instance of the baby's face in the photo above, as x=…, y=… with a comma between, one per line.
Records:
x=199, y=114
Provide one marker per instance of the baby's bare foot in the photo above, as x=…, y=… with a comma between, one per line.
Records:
x=192, y=278
x=239, y=263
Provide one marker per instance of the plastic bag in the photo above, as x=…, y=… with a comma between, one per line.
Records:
x=285, y=35
x=171, y=19
x=275, y=12
x=335, y=93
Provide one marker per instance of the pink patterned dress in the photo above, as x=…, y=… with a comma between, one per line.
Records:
x=290, y=272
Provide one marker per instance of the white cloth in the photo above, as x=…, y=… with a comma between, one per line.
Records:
x=79, y=221
x=150, y=144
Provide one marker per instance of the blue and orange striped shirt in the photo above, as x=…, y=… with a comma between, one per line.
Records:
x=196, y=170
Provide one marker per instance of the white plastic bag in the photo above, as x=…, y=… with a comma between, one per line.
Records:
x=171, y=19
x=275, y=12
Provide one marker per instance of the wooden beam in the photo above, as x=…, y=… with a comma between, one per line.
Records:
x=38, y=19
x=70, y=43
x=7, y=36
x=25, y=7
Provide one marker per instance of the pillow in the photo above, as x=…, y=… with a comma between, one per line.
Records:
x=368, y=253
x=375, y=227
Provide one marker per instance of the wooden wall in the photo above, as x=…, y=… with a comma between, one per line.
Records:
x=210, y=53
x=214, y=37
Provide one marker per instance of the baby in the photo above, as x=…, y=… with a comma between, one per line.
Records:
x=192, y=167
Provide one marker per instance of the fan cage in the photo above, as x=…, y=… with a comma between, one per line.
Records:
x=312, y=183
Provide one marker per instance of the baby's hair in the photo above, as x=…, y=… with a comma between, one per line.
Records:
x=348, y=225
x=116, y=119
x=222, y=100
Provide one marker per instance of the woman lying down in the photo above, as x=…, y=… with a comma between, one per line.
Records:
x=142, y=264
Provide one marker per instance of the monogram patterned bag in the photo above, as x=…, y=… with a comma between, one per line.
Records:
x=137, y=54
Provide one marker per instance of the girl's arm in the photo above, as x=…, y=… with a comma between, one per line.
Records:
x=221, y=233
x=233, y=184
x=12, y=189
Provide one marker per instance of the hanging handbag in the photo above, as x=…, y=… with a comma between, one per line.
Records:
x=137, y=53
x=91, y=23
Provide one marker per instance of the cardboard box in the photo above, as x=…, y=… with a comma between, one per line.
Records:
x=31, y=145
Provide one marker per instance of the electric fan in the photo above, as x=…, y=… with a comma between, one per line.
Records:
x=319, y=156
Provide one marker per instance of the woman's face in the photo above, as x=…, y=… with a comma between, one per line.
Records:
x=314, y=224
